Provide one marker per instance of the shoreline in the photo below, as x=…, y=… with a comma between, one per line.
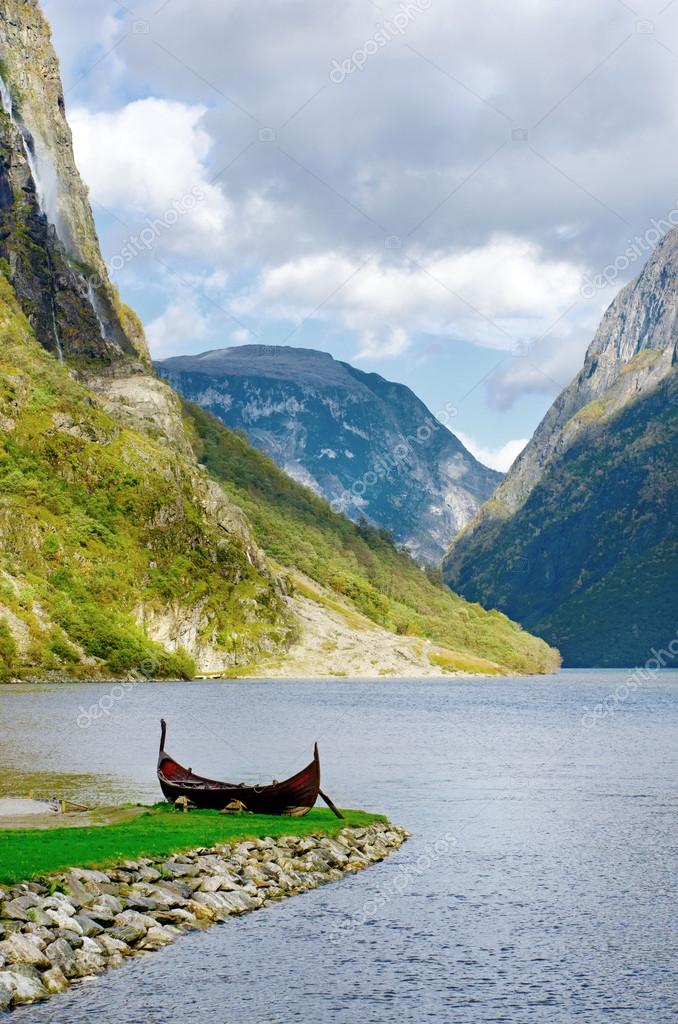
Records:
x=60, y=929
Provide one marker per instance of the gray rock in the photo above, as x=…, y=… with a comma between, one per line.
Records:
x=178, y=870
x=88, y=925
x=155, y=938
x=130, y=926
x=55, y=980
x=23, y=988
x=17, y=909
x=19, y=949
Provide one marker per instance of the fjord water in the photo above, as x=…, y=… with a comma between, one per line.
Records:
x=537, y=886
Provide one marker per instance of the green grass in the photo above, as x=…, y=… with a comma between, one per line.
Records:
x=97, y=520
x=160, y=832
x=356, y=562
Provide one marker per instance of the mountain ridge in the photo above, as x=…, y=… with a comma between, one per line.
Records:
x=555, y=547
x=366, y=444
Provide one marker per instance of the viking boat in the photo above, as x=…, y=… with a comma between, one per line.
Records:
x=295, y=796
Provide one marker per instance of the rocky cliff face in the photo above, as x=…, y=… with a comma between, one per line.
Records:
x=47, y=233
x=578, y=540
x=368, y=446
x=186, y=584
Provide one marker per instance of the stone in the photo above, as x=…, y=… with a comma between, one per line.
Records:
x=130, y=926
x=6, y=990
x=61, y=954
x=110, y=946
x=55, y=980
x=24, y=989
x=17, y=910
x=59, y=902
x=88, y=963
x=88, y=925
x=19, y=949
x=214, y=883
x=105, y=908
x=155, y=938
x=64, y=921
x=36, y=915
x=179, y=870
x=149, y=874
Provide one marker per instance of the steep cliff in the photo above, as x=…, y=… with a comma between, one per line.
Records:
x=369, y=446
x=47, y=227
x=579, y=543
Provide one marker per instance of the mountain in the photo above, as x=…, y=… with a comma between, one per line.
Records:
x=369, y=446
x=580, y=542
x=133, y=526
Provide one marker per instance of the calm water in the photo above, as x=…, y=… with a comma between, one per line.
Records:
x=537, y=886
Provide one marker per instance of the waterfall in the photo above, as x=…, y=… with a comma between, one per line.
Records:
x=42, y=171
x=6, y=99
x=94, y=303
x=52, y=306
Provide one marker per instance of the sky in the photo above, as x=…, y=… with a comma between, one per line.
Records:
x=447, y=194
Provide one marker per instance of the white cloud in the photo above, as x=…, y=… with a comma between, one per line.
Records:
x=496, y=458
x=177, y=329
x=148, y=156
x=493, y=294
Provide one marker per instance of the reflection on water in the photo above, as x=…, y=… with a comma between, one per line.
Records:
x=550, y=904
x=90, y=790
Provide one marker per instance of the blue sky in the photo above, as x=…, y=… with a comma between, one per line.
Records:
x=447, y=194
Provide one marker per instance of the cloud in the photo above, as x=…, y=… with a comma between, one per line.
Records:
x=496, y=458
x=178, y=328
x=492, y=294
x=306, y=178
x=145, y=158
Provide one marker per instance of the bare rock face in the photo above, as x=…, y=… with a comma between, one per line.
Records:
x=634, y=348
x=36, y=134
x=365, y=444
x=579, y=543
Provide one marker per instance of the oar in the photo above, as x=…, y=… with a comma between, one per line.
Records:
x=330, y=804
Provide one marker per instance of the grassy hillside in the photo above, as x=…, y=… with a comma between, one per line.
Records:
x=590, y=561
x=98, y=521
x=300, y=531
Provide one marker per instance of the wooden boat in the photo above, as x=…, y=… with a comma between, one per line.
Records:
x=295, y=796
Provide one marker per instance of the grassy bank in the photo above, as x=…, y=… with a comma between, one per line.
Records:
x=159, y=832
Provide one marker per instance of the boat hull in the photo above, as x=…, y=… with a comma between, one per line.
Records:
x=293, y=797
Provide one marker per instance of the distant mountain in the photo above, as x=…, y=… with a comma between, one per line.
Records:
x=367, y=445
x=580, y=542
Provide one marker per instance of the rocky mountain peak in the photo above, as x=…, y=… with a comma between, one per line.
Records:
x=366, y=444
x=633, y=350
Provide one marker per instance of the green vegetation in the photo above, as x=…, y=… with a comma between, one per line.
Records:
x=158, y=833
x=97, y=521
x=590, y=561
x=356, y=562
x=9, y=662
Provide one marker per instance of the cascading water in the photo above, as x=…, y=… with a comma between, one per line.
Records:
x=94, y=303
x=27, y=143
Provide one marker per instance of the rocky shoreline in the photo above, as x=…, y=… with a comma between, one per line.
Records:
x=57, y=931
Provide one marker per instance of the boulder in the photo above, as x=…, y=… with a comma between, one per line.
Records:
x=55, y=980
x=19, y=949
x=24, y=988
x=155, y=938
